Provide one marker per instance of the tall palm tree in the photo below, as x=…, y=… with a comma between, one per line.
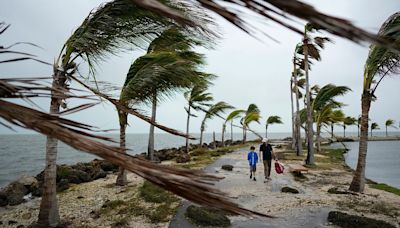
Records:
x=97, y=36
x=272, y=120
x=231, y=116
x=348, y=121
x=358, y=126
x=310, y=48
x=215, y=110
x=198, y=99
x=381, y=62
x=153, y=77
x=172, y=40
x=389, y=123
x=252, y=114
x=374, y=126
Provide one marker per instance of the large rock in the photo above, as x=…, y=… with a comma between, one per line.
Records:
x=167, y=154
x=31, y=183
x=349, y=221
x=227, y=167
x=13, y=194
x=289, y=190
x=108, y=166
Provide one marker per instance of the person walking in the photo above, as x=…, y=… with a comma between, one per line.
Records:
x=252, y=157
x=266, y=153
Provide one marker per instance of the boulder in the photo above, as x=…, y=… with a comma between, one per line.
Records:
x=166, y=154
x=182, y=158
x=108, y=166
x=337, y=190
x=289, y=190
x=14, y=193
x=3, y=199
x=62, y=185
x=227, y=167
x=345, y=220
x=97, y=173
x=31, y=183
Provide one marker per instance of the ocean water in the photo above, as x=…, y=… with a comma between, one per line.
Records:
x=383, y=160
x=25, y=154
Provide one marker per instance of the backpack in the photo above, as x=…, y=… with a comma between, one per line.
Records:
x=279, y=167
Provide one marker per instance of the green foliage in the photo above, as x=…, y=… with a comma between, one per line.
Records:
x=215, y=110
x=374, y=126
x=274, y=120
x=198, y=97
x=386, y=188
x=381, y=60
x=154, y=194
x=208, y=217
x=389, y=123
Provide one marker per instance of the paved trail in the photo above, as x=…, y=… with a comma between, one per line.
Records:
x=291, y=210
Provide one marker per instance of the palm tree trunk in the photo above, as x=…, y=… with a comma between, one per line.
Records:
x=214, y=144
x=332, y=131
x=299, y=149
x=386, y=131
x=201, y=138
x=310, y=132
x=344, y=131
x=244, y=134
x=232, y=130
x=123, y=120
x=358, y=181
x=223, y=135
x=318, y=138
x=48, y=213
x=150, y=148
x=187, y=129
x=293, y=117
x=358, y=131
x=266, y=131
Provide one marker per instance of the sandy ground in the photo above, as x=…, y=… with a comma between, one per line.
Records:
x=309, y=208
x=78, y=203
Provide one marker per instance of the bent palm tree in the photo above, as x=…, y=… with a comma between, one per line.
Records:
x=374, y=126
x=214, y=110
x=389, y=123
x=348, y=121
x=310, y=48
x=380, y=63
x=335, y=117
x=198, y=99
x=233, y=115
x=272, y=120
x=252, y=114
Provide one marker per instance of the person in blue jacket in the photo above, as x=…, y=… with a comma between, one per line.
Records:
x=252, y=157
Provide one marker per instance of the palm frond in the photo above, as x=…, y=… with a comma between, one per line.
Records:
x=389, y=123
x=274, y=120
x=375, y=126
x=327, y=94
x=235, y=114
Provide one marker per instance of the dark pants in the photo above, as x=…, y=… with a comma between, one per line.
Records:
x=267, y=168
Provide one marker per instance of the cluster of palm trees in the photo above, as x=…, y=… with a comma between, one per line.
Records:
x=388, y=123
x=169, y=30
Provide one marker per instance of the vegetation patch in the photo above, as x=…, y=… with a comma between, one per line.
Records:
x=386, y=188
x=289, y=190
x=204, y=216
x=349, y=221
x=111, y=205
x=299, y=177
x=154, y=194
x=120, y=222
x=370, y=207
x=161, y=213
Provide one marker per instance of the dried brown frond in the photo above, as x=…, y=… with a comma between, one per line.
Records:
x=193, y=185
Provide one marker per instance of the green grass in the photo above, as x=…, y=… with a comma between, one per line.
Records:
x=154, y=194
x=111, y=205
x=386, y=188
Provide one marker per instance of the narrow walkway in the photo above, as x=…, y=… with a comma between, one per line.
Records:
x=262, y=197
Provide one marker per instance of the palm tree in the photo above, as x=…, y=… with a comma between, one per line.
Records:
x=252, y=114
x=272, y=120
x=151, y=78
x=374, y=126
x=381, y=62
x=96, y=37
x=323, y=106
x=233, y=115
x=348, y=121
x=358, y=126
x=335, y=117
x=310, y=48
x=214, y=110
x=389, y=123
x=198, y=99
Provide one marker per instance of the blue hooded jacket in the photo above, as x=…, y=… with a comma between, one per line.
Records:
x=252, y=157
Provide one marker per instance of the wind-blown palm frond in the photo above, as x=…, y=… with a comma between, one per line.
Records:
x=252, y=108
x=234, y=114
x=389, y=123
x=251, y=117
x=374, y=126
x=274, y=120
x=198, y=98
x=215, y=110
x=383, y=61
x=327, y=94
x=274, y=10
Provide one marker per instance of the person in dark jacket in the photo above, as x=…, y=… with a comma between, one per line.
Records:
x=267, y=154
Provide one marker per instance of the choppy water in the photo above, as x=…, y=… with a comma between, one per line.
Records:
x=383, y=160
x=25, y=154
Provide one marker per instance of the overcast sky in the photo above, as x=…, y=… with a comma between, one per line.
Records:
x=249, y=71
